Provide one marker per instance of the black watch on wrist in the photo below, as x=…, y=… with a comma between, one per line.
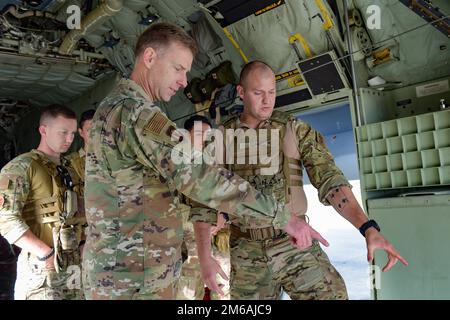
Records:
x=368, y=224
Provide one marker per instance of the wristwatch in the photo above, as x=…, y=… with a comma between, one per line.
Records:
x=368, y=224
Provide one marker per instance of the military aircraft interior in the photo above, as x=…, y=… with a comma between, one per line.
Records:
x=371, y=74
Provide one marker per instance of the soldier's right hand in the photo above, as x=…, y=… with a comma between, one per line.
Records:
x=209, y=269
x=302, y=233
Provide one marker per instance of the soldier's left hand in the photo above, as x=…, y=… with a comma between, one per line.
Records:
x=376, y=241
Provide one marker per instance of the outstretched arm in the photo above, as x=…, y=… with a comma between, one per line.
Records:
x=344, y=202
x=334, y=189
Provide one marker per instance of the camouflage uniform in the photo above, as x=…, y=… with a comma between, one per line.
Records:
x=135, y=227
x=190, y=284
x=263, y=261
x=32, y=196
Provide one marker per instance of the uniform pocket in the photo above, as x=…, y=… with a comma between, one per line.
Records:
x=55, y=280
x=36, y=281
x=310, y=272
x=36, y=274
x=68, y=238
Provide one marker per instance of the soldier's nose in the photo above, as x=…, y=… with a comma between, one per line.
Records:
x=183, y=82
x=69, y=139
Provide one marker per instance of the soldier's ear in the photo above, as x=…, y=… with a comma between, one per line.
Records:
x=240, y=91
x=42, y=129
x=149, y=56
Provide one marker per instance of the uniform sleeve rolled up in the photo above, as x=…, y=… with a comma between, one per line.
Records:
x=14, y=189
x=318, y=162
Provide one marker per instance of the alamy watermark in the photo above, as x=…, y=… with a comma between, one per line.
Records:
x=373, y=21
x=231, y=146
x=73, y=21
x=373, y=17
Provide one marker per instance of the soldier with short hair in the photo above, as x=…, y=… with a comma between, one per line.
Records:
x=263, y=260
x=78, y=158
x=39, y=196
x=132, y=182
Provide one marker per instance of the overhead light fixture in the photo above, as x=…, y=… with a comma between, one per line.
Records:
x=148, y=19
x=34, y=3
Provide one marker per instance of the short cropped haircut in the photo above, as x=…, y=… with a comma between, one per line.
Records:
x=55, y=110
x=85, y=116
x=249, y=67
x=161, y=35
x=189, y=124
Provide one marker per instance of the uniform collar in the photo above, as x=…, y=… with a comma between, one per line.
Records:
x=81, y=152
x=55, y=160
x=262, y=124
x=130, y=85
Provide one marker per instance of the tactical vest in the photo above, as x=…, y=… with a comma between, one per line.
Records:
x=78, y=162
x=59, y=216
x=286, y=184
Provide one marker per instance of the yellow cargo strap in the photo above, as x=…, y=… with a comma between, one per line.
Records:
x=298, y=37
x=328, y=22
x=235, y=44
